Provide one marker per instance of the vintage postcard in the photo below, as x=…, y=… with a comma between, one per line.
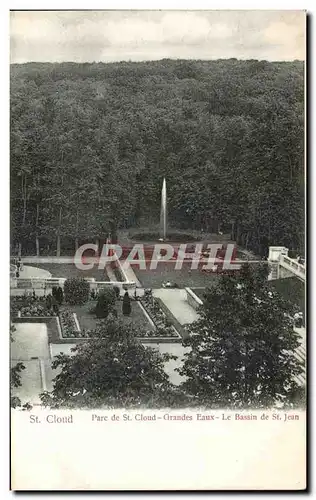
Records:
x=157, y=250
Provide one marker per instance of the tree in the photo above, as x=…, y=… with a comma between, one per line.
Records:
x=90, y=146
x=242, y=346
x=112, y=369
x=126, y=305
x=105, y=303
x=16, y=382
x=15, y=376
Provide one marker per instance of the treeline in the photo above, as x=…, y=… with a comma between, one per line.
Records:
x=90, y=144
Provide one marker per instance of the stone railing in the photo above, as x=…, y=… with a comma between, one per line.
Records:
x=47, y=283
x=283, y=266
x=293, y=266
x=193, y=300
x=39, y=283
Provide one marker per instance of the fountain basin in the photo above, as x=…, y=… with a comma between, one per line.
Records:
x=155, y=237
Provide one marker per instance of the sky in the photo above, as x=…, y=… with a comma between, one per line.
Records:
x=87, y=36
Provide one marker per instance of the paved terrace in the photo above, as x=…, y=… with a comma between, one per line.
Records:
x=176, y=301
x=31, y=347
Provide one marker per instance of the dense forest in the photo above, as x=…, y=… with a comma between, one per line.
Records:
x=91, y=143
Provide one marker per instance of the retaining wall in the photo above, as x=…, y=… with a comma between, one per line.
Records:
x=193, y=300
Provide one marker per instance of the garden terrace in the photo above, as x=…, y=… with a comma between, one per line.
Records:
x=76, y=321
x=88, y=321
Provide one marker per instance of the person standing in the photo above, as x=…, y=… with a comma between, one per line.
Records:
x=126, y=306
x=55, y=305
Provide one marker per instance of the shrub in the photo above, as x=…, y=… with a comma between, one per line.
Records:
x=77, y=291
x=117, y=291
x=105, y=304
x=58, y=294
x=126, y=307
x=111, y=295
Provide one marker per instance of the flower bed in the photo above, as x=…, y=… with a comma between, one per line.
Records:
x=27, y=306
x=36, y=310
x=118, y=274
x=164, y=327
x=68, y=324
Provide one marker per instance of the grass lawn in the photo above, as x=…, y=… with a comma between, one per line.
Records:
x=153, y=278
x=86, y=320
x=89, y=321
x=137, y=317
x=291, y=289
x=71, y=271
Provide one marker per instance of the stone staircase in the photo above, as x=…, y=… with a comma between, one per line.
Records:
x=300, y=354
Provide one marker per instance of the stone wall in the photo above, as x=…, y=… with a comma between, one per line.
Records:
x=193, y=300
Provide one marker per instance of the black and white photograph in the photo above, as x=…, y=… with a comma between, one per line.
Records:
x=157, y=222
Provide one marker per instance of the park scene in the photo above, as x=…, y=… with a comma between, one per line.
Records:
x=203, y=156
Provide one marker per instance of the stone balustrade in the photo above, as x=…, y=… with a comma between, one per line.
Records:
x=48, y=283
x=278, y=256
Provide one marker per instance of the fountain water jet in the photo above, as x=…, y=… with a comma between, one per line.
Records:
x=163, y=211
